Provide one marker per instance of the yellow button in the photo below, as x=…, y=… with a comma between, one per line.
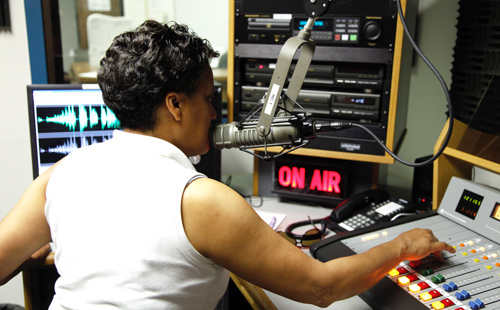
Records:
x=414, y=288
x=489, y=267
x=476, y=260
x=394, y=273
x=465, y=253
x=403, y=280
x=425, y=296
x=437, y=305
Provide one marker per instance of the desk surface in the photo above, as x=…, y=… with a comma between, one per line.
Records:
x=294, y=213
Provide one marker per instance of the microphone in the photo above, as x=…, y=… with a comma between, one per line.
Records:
x=286, y=131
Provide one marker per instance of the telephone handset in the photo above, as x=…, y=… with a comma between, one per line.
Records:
x=365, y=209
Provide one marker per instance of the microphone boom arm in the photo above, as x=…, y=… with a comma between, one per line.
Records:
x=274, y=96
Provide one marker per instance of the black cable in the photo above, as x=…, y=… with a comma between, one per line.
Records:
x=446, y=93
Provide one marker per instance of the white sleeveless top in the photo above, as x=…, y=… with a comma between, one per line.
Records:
x=114, y=211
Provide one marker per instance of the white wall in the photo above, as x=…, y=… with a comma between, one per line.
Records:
x=15, y=157
x=435, y=34
x=209, y=19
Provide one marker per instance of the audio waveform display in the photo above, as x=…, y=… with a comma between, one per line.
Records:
x=65, y=117
x=76, y=118
x=72, y=144
x=51, y=150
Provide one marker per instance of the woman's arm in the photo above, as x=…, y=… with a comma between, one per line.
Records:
x=24, y=232
x=36, y=258
x=222, y=226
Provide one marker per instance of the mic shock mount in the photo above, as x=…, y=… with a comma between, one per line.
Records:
x=299, y=121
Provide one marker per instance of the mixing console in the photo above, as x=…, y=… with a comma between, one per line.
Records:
x=469, y=220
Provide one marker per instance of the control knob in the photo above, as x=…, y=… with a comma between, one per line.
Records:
x=372, y=30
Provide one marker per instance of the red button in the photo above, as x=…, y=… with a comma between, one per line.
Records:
x=412, y=277
x=447, y=303
x=402, y=270
x=415, y=264
x=434, y=293
x=423, y=285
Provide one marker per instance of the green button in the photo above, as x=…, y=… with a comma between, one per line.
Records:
x=426, y=272
x=354, y=37
x=438, y=279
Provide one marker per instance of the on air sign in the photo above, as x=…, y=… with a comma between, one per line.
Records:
x=321, y=180
x=310, y=179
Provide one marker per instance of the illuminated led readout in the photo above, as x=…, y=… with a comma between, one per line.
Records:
x=354, y=100
x=496, y=212
x=469, y=204
x=321, y=25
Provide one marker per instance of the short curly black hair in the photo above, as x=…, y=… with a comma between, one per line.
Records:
x=142, y=66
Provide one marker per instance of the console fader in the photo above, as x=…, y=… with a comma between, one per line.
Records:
x=469, y=220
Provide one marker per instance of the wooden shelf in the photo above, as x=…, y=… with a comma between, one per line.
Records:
x=467, y=148
x=386, y=159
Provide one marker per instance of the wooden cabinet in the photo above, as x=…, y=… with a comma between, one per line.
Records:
x=467, y=148
x=398, y=92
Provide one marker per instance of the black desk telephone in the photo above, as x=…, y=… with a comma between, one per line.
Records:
x=365, y=209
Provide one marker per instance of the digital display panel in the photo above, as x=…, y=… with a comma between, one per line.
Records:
x=319, y=25
x=355, y=100
x=374, y=71
x=495, y=214
x=469, y=204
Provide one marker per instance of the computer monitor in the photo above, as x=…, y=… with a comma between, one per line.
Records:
x=64, y=117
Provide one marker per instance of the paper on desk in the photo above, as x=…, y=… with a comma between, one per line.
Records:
x=273, y=219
